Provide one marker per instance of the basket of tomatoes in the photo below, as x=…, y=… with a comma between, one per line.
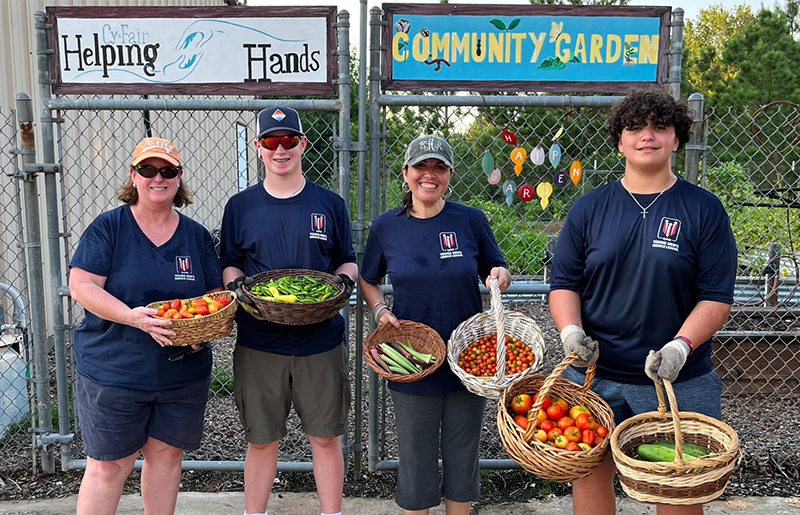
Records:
x=198, y=320
x=554, y=428
x=491, y=350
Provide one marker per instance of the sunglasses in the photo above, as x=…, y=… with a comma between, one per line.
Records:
x=148, y=171
x=272, y=142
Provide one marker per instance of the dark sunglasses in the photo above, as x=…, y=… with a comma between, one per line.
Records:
x=272, y=142
x=148, y=171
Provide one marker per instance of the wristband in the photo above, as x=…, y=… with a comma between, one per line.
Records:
x=378, y=313
x=687, y=341
x=380, y=302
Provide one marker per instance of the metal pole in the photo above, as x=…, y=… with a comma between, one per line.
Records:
x=360, y=234
x=54, y=237
x=374, y=197
x=676, y=54
x=695, y=145
x=41, y=375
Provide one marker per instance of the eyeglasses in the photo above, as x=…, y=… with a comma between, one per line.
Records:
x=272, y=142
x=148, y=171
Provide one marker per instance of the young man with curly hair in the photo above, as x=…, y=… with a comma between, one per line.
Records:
x=643, y=276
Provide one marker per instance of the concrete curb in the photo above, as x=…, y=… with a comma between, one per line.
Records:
x=232, y=503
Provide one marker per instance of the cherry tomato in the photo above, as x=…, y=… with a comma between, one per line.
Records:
x=555, y=412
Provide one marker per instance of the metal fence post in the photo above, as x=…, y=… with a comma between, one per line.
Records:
x=54, y=236
x=33, y=245
x=375, y=23
x=676, y=54
x=695, y=145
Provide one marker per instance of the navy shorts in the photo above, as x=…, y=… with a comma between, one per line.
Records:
x=703, y=395
x=116, y=422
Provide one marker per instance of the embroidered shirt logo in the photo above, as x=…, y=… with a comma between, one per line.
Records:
x=449, y=245
x=667, y=237
x=183, y=268
x=318, y=229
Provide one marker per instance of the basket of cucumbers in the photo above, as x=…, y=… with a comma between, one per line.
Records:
x=406, y=354
x=296, y=296
x=674, y=457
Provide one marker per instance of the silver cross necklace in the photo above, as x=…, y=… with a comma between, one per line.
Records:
x=644, y=209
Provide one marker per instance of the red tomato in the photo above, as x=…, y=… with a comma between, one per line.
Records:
x=555, y=412
x=521, y=404
x=177, y=316
x=547, y=425
x=582, y=420
x=573, y=434
x=546, y=403
x=587, y=436
x=166, y=307
x=186, y=314
x=521, y=421
x=602, y=431
x=553, y=434
x=176, y=304
x=201, y=310
x=223, y=301
x=160, y=313
x=597, y=441
x=572, y=446
x=170, y=313
x=565, y=422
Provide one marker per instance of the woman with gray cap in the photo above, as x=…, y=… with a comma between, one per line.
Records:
x=433, y=250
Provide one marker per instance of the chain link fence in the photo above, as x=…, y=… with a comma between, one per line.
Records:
x=750, y=166
x=15, y=408
x=219, y=160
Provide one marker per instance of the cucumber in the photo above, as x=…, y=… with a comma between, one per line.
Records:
x=659, y=453
x=688, y=448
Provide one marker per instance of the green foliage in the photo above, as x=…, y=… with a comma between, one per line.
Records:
x=221, y=381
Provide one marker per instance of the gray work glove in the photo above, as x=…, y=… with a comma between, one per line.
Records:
x=237, y=286
x=667, y=362
x=575, y=340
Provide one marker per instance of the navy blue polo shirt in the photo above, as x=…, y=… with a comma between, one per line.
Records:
x=261, y=233
x=137, y=273
x=435, y=266
x=639, y=278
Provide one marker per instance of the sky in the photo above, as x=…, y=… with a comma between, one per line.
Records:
x=691, y=7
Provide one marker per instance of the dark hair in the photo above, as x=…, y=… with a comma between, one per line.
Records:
x=653, y=104
x=408, y=202
x=129, y=195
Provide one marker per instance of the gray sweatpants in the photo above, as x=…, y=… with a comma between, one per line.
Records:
x=425, y=424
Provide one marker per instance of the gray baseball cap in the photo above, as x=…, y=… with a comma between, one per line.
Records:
x=426, y=147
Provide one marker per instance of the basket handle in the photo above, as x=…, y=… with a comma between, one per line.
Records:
x=674, y=412
x=500, y=322
x=558, y=371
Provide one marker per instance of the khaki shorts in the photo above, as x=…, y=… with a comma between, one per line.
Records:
x=266, y=385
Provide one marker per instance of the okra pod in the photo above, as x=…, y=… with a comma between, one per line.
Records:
x=399, y=358
x=427, y=358
x=399, y=348
x=399, y=370
x=374, y=353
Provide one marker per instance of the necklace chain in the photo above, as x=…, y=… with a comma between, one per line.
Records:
x=644, y=209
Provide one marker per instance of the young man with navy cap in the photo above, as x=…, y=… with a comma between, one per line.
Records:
x=287, y=221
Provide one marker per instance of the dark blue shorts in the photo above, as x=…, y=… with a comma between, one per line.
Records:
x=116, y=422
x=703, y=395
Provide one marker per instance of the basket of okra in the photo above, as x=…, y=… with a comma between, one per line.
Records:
x=406, y=354
x=296, y=296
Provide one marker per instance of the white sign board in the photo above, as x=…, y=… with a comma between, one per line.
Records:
x=198, y=50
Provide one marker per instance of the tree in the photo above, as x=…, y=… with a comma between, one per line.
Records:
x=704, y=41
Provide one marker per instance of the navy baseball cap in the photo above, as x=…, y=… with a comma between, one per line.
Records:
x=278, y=118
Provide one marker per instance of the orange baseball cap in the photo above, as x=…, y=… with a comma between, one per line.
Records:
x=156, y=147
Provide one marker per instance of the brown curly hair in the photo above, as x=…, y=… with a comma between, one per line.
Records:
x=653, y=104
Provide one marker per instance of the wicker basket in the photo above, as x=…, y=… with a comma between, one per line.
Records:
x=504, y=323
x=189, y=331
x=677, y=482
x=420, y=336
x=296, y=313
x=534, y=456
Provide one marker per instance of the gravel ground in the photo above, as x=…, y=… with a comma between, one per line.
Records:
x=768, y=427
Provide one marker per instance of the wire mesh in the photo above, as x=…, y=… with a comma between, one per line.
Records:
x=216, y=148
x=15, y=411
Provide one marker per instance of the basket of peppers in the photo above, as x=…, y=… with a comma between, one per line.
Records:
x=296, y=296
